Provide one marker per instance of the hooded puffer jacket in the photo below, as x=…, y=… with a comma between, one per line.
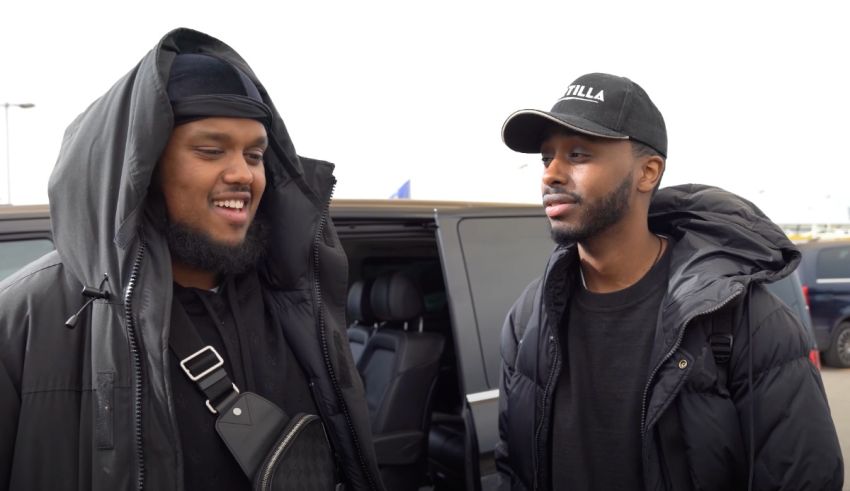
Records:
x=91, y=407
x=767, y=426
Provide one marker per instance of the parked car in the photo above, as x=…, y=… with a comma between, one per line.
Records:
x=24, y=236
x=468, y=263
x=791, y=291
x=825, y=273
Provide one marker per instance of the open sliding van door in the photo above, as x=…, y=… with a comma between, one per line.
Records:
x=489, y=255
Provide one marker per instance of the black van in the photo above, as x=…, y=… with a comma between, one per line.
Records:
x=825, y=273
x=444, y=275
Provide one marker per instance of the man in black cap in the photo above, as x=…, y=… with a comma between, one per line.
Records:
x=201, y=288
x=650, y=356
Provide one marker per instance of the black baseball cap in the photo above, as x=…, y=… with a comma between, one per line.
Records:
x=596, y=104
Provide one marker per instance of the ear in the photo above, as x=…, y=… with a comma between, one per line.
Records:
x=650, y=172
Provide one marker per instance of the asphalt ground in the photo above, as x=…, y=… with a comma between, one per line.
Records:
x=837, y=384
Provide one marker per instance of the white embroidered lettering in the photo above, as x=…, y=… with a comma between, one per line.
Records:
x=582, y=93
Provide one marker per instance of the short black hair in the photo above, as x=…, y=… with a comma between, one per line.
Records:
x=643, y=150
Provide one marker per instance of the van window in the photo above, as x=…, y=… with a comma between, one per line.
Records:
x=834, y=263
x=14, y=254
x=502, y=256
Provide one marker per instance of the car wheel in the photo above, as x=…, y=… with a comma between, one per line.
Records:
x=838, y=354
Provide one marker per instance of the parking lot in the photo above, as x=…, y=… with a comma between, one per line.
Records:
x=837, y=383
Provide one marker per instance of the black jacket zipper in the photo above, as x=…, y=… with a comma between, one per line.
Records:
x=544, y=413
x=317, y=290
x=544, y=416
x=137, y=365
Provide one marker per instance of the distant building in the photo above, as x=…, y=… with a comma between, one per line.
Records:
x=805, y=232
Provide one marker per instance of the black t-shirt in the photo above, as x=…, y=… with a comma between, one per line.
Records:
x=258, y=359
x=606, y=343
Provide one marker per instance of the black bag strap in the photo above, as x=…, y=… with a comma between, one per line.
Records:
x=720, y=339
x=201, y=362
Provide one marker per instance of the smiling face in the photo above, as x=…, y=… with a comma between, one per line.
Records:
x=588, y=184
x=212, y=177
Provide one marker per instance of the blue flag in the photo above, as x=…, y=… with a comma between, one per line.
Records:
x=403, y=192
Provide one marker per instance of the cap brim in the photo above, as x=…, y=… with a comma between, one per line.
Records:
x=525, y=130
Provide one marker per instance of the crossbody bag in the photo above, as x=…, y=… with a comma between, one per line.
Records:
x=276, y=452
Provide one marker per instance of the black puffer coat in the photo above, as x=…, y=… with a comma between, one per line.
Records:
x=725, y=250
x=92, y=408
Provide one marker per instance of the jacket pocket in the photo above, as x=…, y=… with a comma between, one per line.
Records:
x=104, y=410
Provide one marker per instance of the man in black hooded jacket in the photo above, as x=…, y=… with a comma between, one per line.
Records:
x=650, y=356
x=178, y=205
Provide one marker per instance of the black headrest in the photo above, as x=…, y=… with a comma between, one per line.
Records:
x=396, y=297
x=359, y=305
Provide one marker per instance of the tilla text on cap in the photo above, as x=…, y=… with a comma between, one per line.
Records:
x=577, y=92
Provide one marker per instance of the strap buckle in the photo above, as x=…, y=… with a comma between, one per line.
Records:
x=721, y=346
x=219, y=363
x=226, y=400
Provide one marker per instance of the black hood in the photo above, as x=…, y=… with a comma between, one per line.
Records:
x=724, y=234
x=723, y=243
x=99, y=186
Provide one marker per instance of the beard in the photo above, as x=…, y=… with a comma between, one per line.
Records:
x=595, y=217
x=197, y=249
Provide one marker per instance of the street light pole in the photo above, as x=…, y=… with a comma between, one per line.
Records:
x=6, y=106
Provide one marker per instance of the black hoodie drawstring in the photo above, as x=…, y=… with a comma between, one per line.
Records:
x=92, y=294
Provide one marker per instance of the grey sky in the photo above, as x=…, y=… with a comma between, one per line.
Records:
x=753, y=92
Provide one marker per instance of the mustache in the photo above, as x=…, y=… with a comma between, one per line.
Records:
x=559, y=191
x=236, y=188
